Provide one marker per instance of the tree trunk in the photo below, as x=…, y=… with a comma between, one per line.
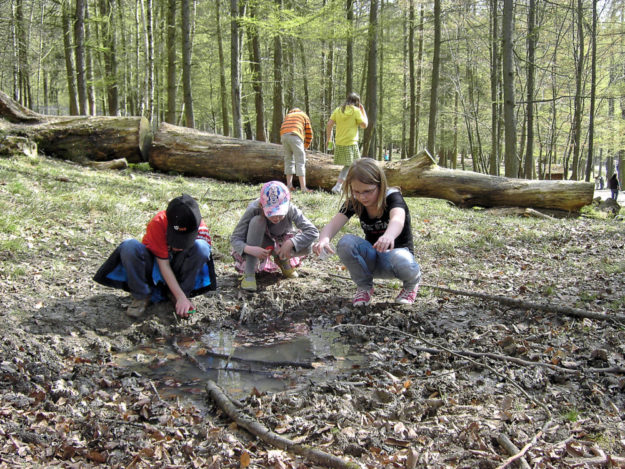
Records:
x=209, y=155
x=24, y=63
x=89, y=64
x=531, y=49
x=256, y=76
x=170, y=115
x=79, y=37
x=69, y=60
x=511, y=160
x=107, y=9
x=278, y=98
x=202, y=154
x=436, y=63
x=349, y=48
x=186, y=64
x=368, y=146
x=235, y=69
x=417, y=116
x=593, y=93
x=78, y=139
x=494, y=90
x=412, y=81
x=223, y=93
x=579, y=70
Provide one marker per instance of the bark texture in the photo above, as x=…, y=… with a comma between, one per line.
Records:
x=81, y=138
x=202, y=154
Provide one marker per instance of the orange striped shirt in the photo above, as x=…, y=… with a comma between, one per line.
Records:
x=298, y=123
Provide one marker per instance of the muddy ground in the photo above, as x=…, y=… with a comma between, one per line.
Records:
x=424, y=396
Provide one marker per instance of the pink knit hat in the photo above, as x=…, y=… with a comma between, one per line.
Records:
x=274, y=198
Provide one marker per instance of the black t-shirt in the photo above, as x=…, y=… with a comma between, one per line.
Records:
x=375, y=227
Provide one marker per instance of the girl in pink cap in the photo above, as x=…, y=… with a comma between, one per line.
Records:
x=265, y=229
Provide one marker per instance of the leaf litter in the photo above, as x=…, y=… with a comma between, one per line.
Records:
x=452, y=381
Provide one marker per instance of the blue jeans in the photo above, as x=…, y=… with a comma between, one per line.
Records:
x=364, y=263
x=139, y=264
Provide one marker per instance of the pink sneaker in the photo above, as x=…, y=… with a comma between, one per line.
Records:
x=362, y=297
x=406, y=297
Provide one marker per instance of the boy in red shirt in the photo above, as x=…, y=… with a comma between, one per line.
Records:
x=179, y=241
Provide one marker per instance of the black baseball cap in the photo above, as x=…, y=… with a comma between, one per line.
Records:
x=183, y=221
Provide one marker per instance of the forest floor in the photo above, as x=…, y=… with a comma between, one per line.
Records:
x=451, y=381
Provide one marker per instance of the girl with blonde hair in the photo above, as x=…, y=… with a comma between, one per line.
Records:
x=387, y=250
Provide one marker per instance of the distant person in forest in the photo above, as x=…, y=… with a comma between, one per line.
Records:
x=387, y=250
x=613, y=185
x=180, y=243
x=296, y=134
x=265, y=230
x=347, y=118
x=601, y=183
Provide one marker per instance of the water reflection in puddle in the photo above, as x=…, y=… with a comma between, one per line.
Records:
x=243, y=361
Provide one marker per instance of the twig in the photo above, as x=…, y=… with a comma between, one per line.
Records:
x=452, y=352
x=176, y=347
x=521, y=453
x=259, y=430
x=564, y=310
x=520, y=361
x=158, y=396
x=230, y=357
x=504, y=441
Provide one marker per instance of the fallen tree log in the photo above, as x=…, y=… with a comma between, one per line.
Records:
x=78, y=138
x=198, y=153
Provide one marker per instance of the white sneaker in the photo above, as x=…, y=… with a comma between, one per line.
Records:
x=337, y=188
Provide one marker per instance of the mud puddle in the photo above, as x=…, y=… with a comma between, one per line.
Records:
x=244, y=361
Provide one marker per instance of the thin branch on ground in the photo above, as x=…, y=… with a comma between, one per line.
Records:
x=452, y=352
x=263, y=433
x=520, y=455
x=551, y=308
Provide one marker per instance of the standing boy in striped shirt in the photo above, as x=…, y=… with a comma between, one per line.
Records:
x=296, y=134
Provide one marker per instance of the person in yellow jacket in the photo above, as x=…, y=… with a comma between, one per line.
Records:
x=347, y=118
x=296, y=134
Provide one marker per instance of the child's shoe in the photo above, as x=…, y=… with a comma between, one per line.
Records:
x=248, y=283
x=337, y=188
x=407, y=297
x=362, y=297
x=137, y=307
x=288, y=271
